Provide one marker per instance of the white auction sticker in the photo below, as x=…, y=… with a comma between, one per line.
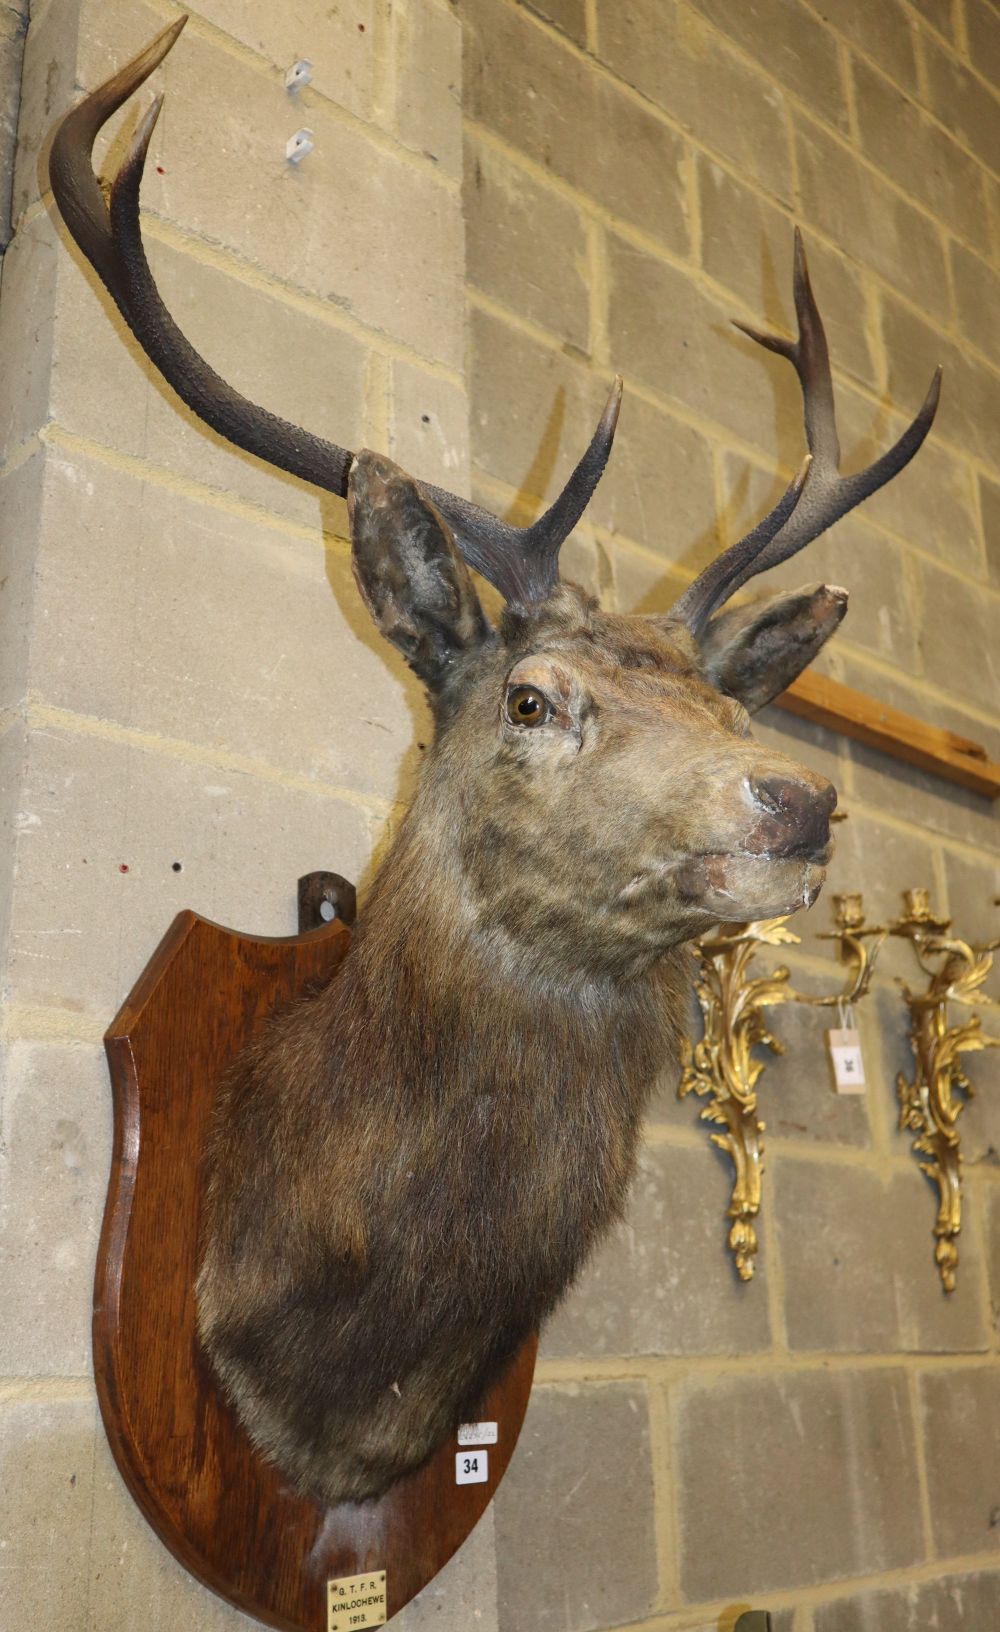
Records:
x=356, y=1601
x=477, y=1433
x=472, y=1467
x=848, y=1066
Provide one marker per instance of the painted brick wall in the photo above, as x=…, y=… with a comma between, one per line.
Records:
x=819, y=1442
x=186, y=677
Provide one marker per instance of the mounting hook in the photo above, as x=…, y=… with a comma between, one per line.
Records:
x=299, y=74
x=298, y=146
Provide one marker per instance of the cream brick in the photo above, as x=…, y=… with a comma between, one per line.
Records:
x=961, y=1417
x=12, y=29
x=868, y=220
x=429, y=427
x=13, y=760
x=977, y=300
x=956, y=616
x=574, y=1518
x=989, y=499
x=91, y=807
x=669, y=56
x=970, y=394
x=427, y=48
x=919, y=157
x=552, y=107
x=540, y=274
x=46, y=1495
x=55, y=1113
x=535, y=409
x=973, y=885
x=177, y=619
x=20, y=503
x=853, y=1515
x=642, y=582
x=658, y=489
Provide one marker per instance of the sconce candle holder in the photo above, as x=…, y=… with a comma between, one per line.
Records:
x=722, y=1066
x=931, y=1102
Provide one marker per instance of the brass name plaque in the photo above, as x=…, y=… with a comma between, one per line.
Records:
x=356, y=1601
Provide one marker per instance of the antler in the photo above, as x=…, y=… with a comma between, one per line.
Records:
x=521, y=562
x=826, y=494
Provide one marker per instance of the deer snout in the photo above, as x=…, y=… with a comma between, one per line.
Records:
x=794, y=814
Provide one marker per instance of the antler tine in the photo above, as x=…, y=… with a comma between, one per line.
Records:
x=826, y=495
x=522, y=563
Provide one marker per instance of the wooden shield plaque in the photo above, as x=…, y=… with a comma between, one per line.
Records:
x=226, y=1514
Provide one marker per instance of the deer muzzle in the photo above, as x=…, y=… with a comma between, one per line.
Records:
x=792, y=816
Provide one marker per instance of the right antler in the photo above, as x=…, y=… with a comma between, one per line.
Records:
x=521, y=562
x=826, y=494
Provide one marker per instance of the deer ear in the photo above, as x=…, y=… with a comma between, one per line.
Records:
x=412, y=579
x=752, y=652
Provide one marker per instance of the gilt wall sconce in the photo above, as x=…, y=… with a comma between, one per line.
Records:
x=722, y=1066
x=931, y=1102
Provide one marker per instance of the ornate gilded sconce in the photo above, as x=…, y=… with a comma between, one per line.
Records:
x=931, y=1103
x=722, y=1065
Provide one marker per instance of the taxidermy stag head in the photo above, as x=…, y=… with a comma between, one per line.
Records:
x=409, y=1168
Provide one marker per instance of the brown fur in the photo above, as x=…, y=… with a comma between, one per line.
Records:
x=409, y=1168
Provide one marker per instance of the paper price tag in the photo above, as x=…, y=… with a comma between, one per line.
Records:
x=356, y=1601
x=472, y=1467
x=845, y=1056
x=477, y=1433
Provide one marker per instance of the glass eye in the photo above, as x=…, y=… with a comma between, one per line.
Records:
x=526, y=705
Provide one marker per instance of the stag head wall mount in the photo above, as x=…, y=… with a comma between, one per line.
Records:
x=408, y=1168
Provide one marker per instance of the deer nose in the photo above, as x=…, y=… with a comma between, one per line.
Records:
x=796, y=812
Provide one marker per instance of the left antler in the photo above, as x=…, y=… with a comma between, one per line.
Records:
x=521, y=562
x=826, y=494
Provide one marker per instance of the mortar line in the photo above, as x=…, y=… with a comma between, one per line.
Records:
x=21, y=1023
x=14, y=1390
x=704, y=1371
x=59, y=439
x=664, y=1489
x=591, y=27
x=920, y=1457
x=42, y=716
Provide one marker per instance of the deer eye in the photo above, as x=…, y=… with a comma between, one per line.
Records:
x=526, y=705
